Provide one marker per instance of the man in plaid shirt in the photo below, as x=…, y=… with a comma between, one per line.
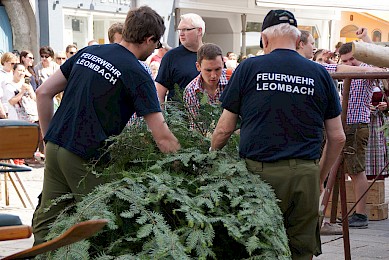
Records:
x=358, y=112
x=212, y=80
x=357, y=135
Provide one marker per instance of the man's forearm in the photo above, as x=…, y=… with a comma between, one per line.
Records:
x=224, y=129
x=219, y=139
x=161, y=92
x=45, y=113
x=331, y=152
x=164, y=138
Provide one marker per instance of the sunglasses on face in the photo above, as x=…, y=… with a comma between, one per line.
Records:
x=61, y=58
x=71, y=52
x=28, y=57
x=159, y=44
x=45, y=56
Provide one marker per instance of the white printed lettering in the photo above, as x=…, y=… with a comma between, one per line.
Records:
x=93, y=62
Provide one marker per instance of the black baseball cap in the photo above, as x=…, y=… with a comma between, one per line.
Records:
x=275, y=17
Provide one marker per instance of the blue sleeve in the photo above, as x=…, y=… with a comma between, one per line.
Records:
x=334, y=107
x=144, y=94
x=164, y=76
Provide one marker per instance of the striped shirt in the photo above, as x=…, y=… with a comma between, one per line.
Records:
x=195, y=86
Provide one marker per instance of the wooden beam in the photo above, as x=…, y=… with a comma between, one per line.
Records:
x=371, y=53
x=360, y=75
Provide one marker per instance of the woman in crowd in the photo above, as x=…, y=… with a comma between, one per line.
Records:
x=14, y=92
x=47, y=67
x=8, y=60
x=27, y=59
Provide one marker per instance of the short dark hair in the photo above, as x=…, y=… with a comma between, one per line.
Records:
x=16, y=65
x=114, y=28
x=317, y=53
x=142, y=22
x=209, y=51
x=46, y=50
x=345, y=48
x=71, y=46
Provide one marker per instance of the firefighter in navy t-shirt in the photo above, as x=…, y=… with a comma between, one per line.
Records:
x=283, y=101
x=103, y=86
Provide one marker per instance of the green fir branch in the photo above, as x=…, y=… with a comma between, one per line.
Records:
x=192, y=204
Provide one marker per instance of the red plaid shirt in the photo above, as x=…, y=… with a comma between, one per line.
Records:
x=196, y=85
x=361, y=91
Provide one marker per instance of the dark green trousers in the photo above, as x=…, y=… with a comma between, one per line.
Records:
x=296, y=184
x=64, y=173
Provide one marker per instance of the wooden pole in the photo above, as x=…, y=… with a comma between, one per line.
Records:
x=342, y=190
x=371, y=53
x=360, y=75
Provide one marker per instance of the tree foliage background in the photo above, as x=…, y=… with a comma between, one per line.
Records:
x=193, y=204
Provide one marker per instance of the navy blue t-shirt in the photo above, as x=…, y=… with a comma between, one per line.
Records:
x=106, y=85
x=283, y=100
x=177, y=66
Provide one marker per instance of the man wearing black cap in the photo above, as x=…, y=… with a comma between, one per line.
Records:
x=284, y=100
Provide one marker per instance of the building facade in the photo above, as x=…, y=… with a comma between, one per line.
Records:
x=233, y=24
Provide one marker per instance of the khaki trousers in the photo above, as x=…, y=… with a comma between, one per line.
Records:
x=296, y=184
x=65, y=173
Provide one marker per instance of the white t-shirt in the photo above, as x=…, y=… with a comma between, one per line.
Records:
x=8, y=93
x=5, y=77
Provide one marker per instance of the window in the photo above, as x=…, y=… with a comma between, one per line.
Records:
x=376, y=36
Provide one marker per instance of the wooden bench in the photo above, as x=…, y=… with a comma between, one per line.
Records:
x=74, y=234
x=18, y=139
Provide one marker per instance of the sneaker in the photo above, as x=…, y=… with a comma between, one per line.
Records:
x=358, y=221
x=329, y=229
x=32, y=162
x=339, y=219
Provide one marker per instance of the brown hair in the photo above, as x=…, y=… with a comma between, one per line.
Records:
x=209, y=51
x=46, y=50
x=303, y=37
x=114, y=28
x=23, y=54
x=345, y=48
x=317, y=53
x=70, y=46
x=338, y=45
x=141, y=23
